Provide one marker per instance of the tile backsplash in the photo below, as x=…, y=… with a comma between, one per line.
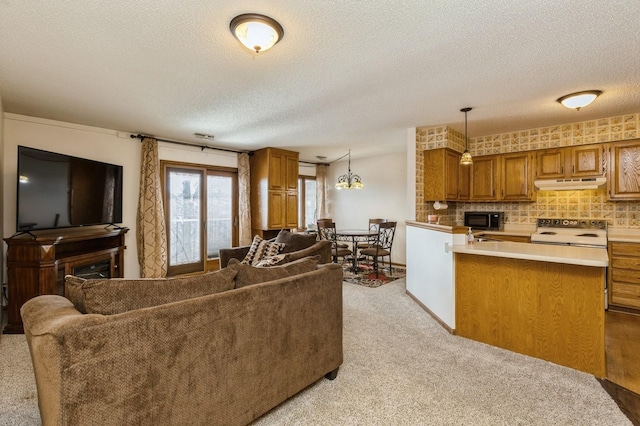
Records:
x=562, y=204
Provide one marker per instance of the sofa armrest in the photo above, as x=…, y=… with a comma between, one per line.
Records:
x=227, y=254
x=321, y=248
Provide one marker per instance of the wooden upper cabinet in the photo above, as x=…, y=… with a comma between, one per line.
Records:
x=550, y=164
x=292, y=172
x=439, y=182
x=484, y=178
x=517, y=177
x=464, y=181
x=624, y=182
x=576, y=161
x=451, y=173
x=587, y=160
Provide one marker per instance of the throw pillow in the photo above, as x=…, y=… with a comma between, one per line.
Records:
x=261, y=249
x=272, y=261
x=117, y=295
x=248, y=274
x=294, y=241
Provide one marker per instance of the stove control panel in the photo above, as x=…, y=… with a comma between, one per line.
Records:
x=573, y=223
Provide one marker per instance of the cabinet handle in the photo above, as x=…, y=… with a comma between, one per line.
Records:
x=573, y=169
x=562, y=170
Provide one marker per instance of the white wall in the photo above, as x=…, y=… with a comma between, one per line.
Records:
x=384, y=196
x=97, y=144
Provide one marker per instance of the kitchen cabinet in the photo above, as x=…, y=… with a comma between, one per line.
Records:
x=484, y=178
x=444, y=177
x=624, y=275
x=517, y=177
x=576, y=161
x=624, y=181
x=274, y=191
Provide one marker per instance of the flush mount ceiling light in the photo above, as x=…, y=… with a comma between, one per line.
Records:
x=579, y=99
x=349, y=181
x=466, y=159
x=256, y=32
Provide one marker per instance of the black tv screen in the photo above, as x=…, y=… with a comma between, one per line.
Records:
x=59, y=191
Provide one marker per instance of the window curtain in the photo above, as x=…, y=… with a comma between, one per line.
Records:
x=244, y=203
x=151, y=227
x=321, y=191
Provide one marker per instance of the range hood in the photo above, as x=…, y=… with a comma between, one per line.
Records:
x=570, y=184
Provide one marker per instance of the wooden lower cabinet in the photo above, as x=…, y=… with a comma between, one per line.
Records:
x=552, y=311
x=624, y=275
x=37, y=263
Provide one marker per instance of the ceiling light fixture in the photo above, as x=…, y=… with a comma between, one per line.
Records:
x=256, y=32
x=579, y=99
x=349, y=181
x=466, y=155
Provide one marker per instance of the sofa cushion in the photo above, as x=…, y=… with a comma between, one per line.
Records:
x=294, y=241
x=113, y=296
x=261, y=249
x=247, y=274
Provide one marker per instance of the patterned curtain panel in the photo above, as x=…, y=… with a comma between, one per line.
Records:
x=152, y=231
x=321, y=191
x=244, y=203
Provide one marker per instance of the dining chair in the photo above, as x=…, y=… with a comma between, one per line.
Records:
x=329, y=221
x=327, y=231
x=382, y=247
x=373, y=226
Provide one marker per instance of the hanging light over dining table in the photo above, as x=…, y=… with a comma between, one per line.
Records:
x=349, y=181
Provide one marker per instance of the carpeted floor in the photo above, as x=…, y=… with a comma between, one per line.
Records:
x=400, y=368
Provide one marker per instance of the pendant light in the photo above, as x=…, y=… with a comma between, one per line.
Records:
x=349, y=181
x=466, y=155
x=256, y=32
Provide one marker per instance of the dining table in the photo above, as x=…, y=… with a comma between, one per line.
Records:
x=355, y=236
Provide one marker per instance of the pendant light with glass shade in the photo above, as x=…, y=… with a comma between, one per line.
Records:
x=466, y=155
x=349, y=181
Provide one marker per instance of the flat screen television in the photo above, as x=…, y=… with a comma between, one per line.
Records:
x=61, y=191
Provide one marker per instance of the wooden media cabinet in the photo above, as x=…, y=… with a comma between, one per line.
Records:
x=37, y=263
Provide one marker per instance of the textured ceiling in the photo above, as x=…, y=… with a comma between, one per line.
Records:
x=348, y=74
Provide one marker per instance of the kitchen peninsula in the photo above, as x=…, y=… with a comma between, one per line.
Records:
x=539, y=300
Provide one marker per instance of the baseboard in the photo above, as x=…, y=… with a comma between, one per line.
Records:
x=430, y=312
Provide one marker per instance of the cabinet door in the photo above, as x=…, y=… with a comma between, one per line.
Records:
x=277, y=218
x=451, y=178
x=517, y=182
x=550, y=164
x=624, y=182
x=278, y=171
x=464, y=182
x=434, y=176
x=292, y=209
x=292, y=173
x=586, y=160
x=484, y=178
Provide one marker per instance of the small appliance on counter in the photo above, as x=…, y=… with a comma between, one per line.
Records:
x=484, y=220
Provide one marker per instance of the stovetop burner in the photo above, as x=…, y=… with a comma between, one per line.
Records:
x=578, y=232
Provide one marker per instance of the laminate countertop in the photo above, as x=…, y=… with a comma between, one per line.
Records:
x=585, y=256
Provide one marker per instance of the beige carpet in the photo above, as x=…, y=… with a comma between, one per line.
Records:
x=401, y=368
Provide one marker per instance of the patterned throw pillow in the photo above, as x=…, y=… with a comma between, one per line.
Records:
x=261, y=249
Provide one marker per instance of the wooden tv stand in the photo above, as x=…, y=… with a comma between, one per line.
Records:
x=37, y=263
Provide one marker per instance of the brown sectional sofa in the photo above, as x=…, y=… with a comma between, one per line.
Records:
x=223, y=358
x=296, y=246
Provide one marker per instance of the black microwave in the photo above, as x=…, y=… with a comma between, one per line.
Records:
x=484, y=220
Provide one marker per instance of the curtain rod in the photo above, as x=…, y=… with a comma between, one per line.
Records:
x=202, y=147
